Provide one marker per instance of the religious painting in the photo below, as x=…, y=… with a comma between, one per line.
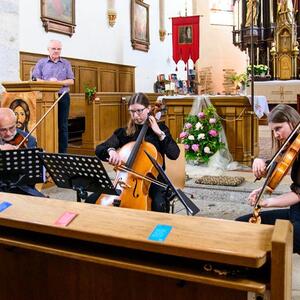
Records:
x=185, y=34
x=221, y=12
x=140, y=25
x=24, y=107
x=58, y=16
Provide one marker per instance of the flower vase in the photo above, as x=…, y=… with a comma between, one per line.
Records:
x=243, y=91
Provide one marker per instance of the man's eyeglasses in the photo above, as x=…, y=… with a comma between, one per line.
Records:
x=57, y=49
x=138, y=111
x=11, y=129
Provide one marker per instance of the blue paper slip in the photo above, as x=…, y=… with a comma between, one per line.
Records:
x=4, y=206
x=160, y=233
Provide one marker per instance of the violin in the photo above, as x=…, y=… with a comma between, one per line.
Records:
x=134, y=177
x=278, y=169
x=18, y=141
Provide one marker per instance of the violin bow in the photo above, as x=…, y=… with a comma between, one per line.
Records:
x=41, y=119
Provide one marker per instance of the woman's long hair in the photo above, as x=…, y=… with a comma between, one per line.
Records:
x=138, y=98
x=284, y=113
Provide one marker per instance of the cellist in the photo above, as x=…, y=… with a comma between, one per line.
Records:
x=282, y=120
x=10, y=138
x=157, y=134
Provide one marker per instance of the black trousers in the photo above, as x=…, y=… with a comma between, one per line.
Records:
x=63, y=116
x=270, y=216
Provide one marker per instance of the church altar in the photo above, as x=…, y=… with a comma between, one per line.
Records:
x=277, y=91
x=239, y=122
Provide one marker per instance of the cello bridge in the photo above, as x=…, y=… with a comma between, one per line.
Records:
x=123, y=184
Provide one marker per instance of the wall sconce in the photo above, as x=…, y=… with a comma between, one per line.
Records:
x=162, y=34
x=112, y=16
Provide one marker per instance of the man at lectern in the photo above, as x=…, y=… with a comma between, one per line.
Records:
x=10, y=138
x=56, y=68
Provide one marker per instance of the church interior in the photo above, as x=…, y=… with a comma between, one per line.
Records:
x=135, y=138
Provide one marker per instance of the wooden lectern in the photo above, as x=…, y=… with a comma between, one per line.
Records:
x=39, y=95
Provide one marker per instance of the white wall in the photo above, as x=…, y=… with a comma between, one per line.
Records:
x=9, y=41
x=216, y=48
x=94, y=39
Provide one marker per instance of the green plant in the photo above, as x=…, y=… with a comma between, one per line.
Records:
x=201, y=135
x=90, y=92
x=258, y=69
x=239, y=79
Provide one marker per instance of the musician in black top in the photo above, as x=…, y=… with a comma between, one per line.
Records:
x=157, y=134
x=282, y=120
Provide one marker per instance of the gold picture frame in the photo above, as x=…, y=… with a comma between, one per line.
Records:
x=140, y=39
x=58, y=16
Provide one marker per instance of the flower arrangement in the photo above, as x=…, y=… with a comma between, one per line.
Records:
x=90, y=93
x=200, y=135
x=258, y=69
x=240, y=79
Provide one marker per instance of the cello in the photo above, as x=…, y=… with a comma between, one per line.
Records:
x=131, y=178
x=277, y=169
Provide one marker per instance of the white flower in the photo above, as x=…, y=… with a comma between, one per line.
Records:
x=199, y=126
x=206, y=150
x=201, y=136
x=191, y=137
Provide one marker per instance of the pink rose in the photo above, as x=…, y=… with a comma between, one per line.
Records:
x=195, y=147
x=213, y=132
x=186, y=147
x=201, y=115
x=188, y=125
x=183, y=134
x=212, y=121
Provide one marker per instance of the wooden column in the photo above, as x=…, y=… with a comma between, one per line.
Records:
x=41, y=95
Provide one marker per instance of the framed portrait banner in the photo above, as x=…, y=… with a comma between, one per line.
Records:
x=140, y=25
x=58, y=16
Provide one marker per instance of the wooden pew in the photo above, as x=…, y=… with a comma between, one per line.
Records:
x=105, y=253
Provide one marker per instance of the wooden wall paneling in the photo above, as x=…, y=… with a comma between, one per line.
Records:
x=26, y=70
x=87, y=77
x=109, y=115
x=77, y=105
x=108, y=80
x=126, y=81
x=126, y=78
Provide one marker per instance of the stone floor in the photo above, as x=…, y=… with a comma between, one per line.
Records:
x=218, y=201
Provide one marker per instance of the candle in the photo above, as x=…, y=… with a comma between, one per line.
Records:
x=268, y=57
x=162, y=14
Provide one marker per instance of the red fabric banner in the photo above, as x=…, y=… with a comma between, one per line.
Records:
x=185, y=36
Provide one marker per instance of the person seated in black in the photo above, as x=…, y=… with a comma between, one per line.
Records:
x=157, y=134
x=10, y=137
x=282, y=120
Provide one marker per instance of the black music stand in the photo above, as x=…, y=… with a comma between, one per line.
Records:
x=190, y=206
x=20, y=168
x=81, y=173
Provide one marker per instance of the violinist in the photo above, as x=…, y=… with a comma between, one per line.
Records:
x=282, y=120
x=10, y=138
x=10, y=135
x=157, y=134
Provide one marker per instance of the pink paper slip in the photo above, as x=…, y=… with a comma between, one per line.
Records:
x=65, y=218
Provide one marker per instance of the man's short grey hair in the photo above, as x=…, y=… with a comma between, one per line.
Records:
x=54, y=41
